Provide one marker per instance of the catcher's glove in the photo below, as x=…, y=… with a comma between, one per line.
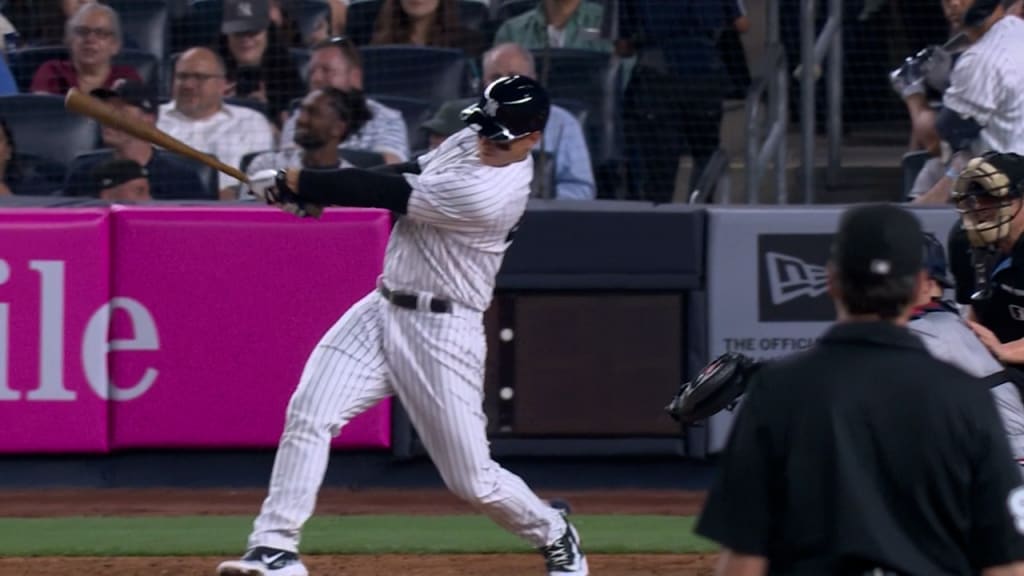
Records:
x=718, y=387
x=271, y=187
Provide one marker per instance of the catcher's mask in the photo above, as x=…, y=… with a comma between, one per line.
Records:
x=986, y=195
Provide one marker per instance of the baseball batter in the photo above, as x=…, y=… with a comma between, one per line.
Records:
x=420, y=334
x=981, y=108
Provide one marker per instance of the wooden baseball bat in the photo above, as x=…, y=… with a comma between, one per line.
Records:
x=86, y=105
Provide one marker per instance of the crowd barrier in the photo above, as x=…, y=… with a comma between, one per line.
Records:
x=187, y=326
x=172, y=327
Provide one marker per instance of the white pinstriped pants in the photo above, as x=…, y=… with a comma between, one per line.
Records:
x=434, y=364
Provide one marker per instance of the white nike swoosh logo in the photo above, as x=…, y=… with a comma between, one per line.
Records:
x=271, y=559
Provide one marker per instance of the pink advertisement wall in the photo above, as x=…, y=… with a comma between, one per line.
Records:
x=172, y=327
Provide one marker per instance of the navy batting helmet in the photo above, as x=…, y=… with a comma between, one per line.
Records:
x=510, y=107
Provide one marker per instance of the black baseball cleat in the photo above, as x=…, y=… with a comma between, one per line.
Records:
x=263, y=561
x=563, y=557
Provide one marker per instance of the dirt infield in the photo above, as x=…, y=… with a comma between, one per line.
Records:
x=155, y=502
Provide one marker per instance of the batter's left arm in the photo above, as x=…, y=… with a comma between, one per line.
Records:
x=353, y=187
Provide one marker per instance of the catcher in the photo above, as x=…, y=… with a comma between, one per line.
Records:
x=986, y=254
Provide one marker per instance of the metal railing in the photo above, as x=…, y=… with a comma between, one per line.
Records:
x=773, y=81
x=813, y=51
x=714, y=180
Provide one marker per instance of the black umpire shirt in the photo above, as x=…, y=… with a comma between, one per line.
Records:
x=864, y=452
x=1003, y=313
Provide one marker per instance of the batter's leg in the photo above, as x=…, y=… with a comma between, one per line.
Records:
x=437, y=361
x=345, y=375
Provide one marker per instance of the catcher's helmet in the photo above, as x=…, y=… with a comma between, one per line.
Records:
x=510, y=108
x=985, y=194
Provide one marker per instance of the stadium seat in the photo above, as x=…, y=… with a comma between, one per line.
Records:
x=24, y=63
x=362, y=158
x=360, y=19
x=415, y=111
x=145, y=23
x=43, y=128
x=473, y=14
x=207, y=175
x=49, y=170
x=512, y=8
x=434, y=74
x=305, y=13
x=300, y=57
x=199, y=27
x=593, y=78
x=544, y=183
x=251, y=103
x=911, y=164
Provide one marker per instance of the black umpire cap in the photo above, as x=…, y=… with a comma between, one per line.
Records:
x=876, y=242
x=510, y=108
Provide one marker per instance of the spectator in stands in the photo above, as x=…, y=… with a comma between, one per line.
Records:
x=447, y=120
x=425, y=23
x=258, y=66
x=918, y=99
x=94, y=38
x=557, y=24
x=673, y=101
x=14, y=180
x=199, y=116
x=122, y=180
x=337, y=62
x=563, y=136
x=170, y=177
x=325, y=119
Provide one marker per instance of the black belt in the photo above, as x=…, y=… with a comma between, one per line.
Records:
x=412, y=301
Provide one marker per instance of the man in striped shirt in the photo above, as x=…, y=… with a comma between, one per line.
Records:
x=420, y=334
x=336, y=62
x=981, y=109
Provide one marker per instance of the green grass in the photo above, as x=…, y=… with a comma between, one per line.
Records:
x=225, y=535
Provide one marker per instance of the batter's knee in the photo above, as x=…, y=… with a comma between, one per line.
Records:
x=475, y=487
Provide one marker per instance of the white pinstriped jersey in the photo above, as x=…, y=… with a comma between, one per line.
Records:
x=987, y=84
x=453, y=238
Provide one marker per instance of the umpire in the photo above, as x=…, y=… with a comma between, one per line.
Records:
x=864, y=454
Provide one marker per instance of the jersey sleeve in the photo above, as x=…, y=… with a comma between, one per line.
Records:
x=997, y=494
x=737, y=512
x=458, y=200
x=974, y=90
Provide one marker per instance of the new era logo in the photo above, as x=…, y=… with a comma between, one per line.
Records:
x=792, y=279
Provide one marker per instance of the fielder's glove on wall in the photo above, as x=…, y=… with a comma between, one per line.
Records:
x=270, y=186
